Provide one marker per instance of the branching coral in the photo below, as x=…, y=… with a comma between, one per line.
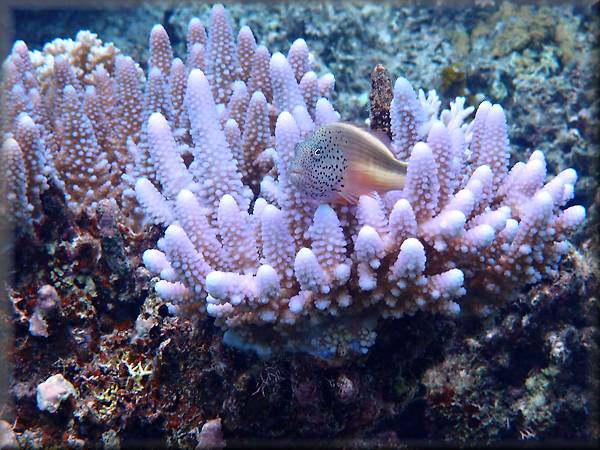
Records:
x=209, y=147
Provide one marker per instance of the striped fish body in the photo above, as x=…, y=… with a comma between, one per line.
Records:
x=340, y=162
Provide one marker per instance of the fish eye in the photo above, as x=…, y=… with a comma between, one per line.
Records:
x=317, y=152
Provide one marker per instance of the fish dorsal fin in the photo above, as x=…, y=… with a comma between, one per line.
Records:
x=382, y=136
x=361, y=146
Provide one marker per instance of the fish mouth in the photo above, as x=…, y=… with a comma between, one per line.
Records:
x=294, y=174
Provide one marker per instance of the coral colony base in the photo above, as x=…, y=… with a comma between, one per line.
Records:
x=202, y=147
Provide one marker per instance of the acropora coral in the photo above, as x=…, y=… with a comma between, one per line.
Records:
x=208, y=143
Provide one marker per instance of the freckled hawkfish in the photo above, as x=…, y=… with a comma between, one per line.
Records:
x=339, y=162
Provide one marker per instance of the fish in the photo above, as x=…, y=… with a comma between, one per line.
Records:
x=339, y=162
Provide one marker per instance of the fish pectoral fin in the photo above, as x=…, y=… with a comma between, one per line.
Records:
x=372, y=194
x=347, y=197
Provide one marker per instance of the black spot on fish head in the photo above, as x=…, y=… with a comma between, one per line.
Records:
x=319, y=164
x=303, y=169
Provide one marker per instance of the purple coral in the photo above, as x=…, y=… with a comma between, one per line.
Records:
x=209, y=148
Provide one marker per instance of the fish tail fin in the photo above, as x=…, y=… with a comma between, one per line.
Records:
x=401, y=169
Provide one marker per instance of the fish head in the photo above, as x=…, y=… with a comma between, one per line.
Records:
x=319, y=164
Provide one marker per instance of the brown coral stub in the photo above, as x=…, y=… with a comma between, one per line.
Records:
x=380, y=99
